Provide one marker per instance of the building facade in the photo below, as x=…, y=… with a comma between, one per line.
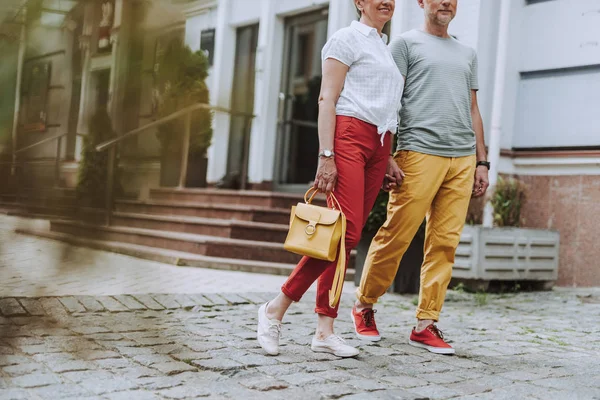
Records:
x=265, y=59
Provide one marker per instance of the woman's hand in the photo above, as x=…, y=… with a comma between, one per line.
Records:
x=393, y=176
x=326, y=178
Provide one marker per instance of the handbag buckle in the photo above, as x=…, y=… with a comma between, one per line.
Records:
x=310, y=230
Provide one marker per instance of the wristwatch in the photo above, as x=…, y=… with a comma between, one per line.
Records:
x=326, y=153
x=484, y=163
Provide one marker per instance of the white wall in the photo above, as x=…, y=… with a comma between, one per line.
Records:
x=557, y=101
x=560, y=34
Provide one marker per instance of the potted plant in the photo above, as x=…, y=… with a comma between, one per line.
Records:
x=408, y=276
x=507, y=252
x=183, y=73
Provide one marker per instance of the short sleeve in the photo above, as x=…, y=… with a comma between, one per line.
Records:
x=399, y=50
x=474, y=82
x=339, y=48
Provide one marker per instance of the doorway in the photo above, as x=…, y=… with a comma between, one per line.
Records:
x=298, y=141
x=242, y=100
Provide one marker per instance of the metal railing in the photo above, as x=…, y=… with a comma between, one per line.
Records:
x=186, y=113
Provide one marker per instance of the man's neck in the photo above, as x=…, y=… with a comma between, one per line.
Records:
x=436, y=29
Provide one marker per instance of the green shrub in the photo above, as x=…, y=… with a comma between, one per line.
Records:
x=93, y=168
x=507, y=200
x=184, y=73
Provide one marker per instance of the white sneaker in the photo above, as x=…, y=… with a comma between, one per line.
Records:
x=335, y=345
x=268, y=332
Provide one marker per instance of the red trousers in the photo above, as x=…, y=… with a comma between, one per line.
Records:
x=361, y=163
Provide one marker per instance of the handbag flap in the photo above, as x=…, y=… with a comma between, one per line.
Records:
x=320, y=215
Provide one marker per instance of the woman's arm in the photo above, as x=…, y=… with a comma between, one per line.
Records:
x=334, y=75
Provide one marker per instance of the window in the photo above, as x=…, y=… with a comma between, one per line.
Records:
x=207, y=44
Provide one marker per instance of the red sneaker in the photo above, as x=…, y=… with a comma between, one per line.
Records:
x=364, y=324
x=432, y=339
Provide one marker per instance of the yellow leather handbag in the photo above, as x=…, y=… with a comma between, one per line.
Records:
x=319, y=232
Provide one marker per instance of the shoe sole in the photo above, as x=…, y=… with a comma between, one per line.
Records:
x=363, y=337
x=260, y=341
x=318, y=350
x=436, y=350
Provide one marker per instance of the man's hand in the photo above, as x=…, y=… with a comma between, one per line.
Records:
x=326, y=178
x=481, y=181
x=393, y=176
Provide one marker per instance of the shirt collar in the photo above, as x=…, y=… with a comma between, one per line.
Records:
x=366, y=30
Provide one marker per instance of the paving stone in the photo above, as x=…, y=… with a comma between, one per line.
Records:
x=14, y=394
x=185, y=300
x=434, y=391
x=234, y=299
x=60, y=391
x=35, y=380
x=97, y=354
x=256, y=360
x=404, y=381
x=40, y=349
x=134, y=372
x=215, y=299
x=70, y=366
x=160, y=382
x=23, y=369
x=111, y=304
x=81, y=376
x=132, y=395
x=167, y=301
x=148, y=301
x=130, y=302
x=33, y=306
x=102, y=386
x=53, y=307
x=10, y=307
x=301, y=378
x=217, y=364
x=90, y=303
x=330, y=391
x=151, y=359
x=114, y=363
x=173, y=367
x=185, y=392
x=71, y=304
x=200, y=300
x=264, y=384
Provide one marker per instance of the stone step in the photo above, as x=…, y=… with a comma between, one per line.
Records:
x=190, y=243
x=219, y=196
x=173, y=257
x=247, y=230
x=206, y=210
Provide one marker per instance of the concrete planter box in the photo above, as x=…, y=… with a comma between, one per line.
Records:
x=507, y=254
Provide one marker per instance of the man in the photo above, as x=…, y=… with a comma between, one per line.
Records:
x=439, y=164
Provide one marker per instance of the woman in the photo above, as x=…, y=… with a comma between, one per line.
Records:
x=358, y=109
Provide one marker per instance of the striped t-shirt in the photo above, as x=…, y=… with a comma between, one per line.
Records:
x=440, y=73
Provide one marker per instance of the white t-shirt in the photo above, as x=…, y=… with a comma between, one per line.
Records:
x=373, y=86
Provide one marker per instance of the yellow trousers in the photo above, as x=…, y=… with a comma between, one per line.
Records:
x=438, y=188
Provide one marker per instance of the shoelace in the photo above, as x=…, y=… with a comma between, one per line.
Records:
x=337, y=339
x=275, y=331
x=436, y=331
x=368, y=316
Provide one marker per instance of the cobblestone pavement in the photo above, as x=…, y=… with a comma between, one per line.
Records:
x=525, y=346
x=83, y=324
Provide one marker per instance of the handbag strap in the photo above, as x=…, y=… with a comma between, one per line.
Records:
x=340, y=270
x=312, y=192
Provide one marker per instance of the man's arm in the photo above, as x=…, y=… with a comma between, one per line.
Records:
x=481, y=173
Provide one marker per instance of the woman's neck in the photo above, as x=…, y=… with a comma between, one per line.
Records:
x=365, y=20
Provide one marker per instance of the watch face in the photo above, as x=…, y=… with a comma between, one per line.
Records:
x=327, y=153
